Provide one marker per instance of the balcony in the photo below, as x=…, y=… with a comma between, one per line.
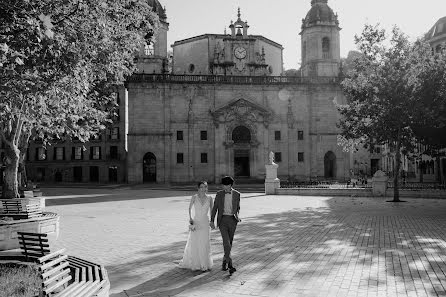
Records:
x=240, y=80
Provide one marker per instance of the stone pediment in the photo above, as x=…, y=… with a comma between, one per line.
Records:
x=241, y=110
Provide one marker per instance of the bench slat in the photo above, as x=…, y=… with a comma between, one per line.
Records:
x=60, y=275
x=57, y=285
x=95, y=289
x=69, y=289
x=59, y=259
x=74, y=293
x=87, y=288
x=53, y=254
x=47, y=273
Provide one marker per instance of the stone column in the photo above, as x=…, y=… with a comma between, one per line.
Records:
x=379, y=183
x=271, y=181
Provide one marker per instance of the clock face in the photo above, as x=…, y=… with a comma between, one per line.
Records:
x=240, y=52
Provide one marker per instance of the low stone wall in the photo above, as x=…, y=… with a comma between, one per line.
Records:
x=432, y=194
x=325, y=192
x=429, y=194
x=47, y=223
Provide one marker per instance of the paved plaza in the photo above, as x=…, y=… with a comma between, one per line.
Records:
x=284, y=246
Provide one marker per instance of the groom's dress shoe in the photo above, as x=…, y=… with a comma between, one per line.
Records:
x=223, y=267
x=232, y=269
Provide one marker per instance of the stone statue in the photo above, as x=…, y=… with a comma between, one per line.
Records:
x=271, y=158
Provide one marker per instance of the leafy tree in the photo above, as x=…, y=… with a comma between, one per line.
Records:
x=385, y=89
x=60, y=63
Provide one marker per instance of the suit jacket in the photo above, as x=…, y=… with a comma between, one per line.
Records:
x=219, y=205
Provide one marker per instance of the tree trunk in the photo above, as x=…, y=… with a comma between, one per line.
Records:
x=396, y=191
x=11, y=186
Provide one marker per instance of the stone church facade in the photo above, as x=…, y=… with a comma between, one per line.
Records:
x=226, y=104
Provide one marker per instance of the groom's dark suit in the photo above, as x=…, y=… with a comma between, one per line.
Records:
x=226, y=223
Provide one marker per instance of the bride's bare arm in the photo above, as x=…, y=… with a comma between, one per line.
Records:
x=192, y=200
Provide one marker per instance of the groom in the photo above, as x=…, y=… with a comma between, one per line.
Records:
x=227, y=204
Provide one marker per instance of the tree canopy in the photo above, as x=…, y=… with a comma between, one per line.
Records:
x=392, y=86
x=60, y=63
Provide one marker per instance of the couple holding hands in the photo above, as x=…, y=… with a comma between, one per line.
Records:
x=197, y=253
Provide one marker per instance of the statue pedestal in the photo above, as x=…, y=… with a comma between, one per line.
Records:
x=379, y=183
x=271, y=181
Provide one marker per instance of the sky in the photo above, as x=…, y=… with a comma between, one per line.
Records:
x=280, y=20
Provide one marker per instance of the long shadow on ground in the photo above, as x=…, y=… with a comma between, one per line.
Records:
x=392, y=246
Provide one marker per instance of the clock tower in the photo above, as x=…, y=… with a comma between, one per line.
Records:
x=241, y=54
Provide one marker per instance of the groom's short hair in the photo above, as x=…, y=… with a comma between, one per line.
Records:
x=227, y=180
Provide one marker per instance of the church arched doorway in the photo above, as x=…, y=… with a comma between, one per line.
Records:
x=330, y=165
x=241, y=136
x=149, y=168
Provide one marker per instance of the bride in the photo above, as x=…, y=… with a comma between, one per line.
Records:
x=197, y=253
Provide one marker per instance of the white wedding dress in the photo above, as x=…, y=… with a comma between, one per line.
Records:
x=197, y=253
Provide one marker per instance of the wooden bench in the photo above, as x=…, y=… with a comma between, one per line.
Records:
x=64, y=275
x=18, y=209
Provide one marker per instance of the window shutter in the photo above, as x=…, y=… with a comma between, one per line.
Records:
x=73, y=152
x=63, y=152
x=54, y=154
x=91, y=153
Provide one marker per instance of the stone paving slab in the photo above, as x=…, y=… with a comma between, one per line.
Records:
x=284, y=246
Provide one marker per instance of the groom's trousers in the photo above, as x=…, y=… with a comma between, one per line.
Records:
x=227, y=228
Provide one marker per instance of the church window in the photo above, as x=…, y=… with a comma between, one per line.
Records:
x=300, y=157
x=191, y=68
x=325, y=48
x=203, y=135
x=277, y=135
x=180, y=158
x=300, y=135
x=204, y=157
x=277, y=157
x=241, y=134
x=180, y=135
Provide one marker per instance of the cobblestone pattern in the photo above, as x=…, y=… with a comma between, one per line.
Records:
x=285, y=245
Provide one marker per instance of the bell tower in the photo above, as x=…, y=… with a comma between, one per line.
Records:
x=152, y=58
x=320, y=41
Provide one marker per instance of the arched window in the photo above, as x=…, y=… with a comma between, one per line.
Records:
x=325, y=48
x=241, y=134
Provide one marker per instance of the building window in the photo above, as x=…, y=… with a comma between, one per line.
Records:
x=149, y=49
x=180, y=135
x=95, y=153
x=40, y=154
x=204, y=135
x=77, y=153
x=300, y=157
x=325, y=48
x=278, y=157
x=113, y=152
x=59, y=153
x=114, y=133
x=204, y=157
x=180, y=158
x=277, y=135
x=300, y=135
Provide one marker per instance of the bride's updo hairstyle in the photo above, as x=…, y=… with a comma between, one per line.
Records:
x=202, y=183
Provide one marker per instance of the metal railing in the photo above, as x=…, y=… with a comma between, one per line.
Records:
x=230, y=79
x=324, y=185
